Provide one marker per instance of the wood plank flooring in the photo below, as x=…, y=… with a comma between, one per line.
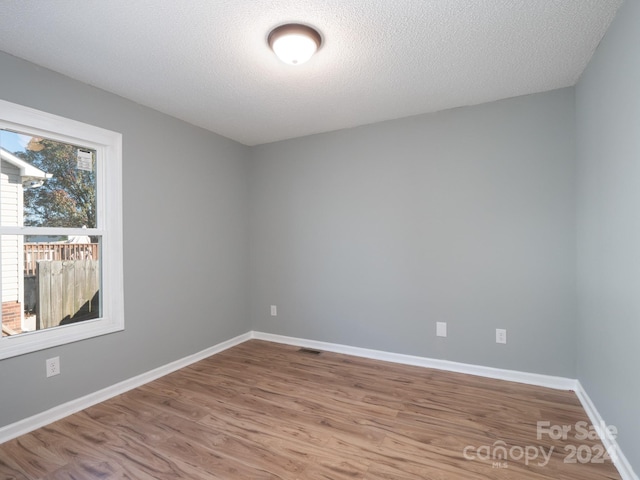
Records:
x=267, y=411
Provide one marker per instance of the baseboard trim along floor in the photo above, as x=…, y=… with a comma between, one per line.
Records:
x=56, y=413
x=559, y=383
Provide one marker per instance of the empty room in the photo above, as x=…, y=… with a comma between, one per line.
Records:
x=320, y=239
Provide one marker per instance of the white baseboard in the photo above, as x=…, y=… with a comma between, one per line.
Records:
x=613, y=449
x=559, y=383
x=27, y=425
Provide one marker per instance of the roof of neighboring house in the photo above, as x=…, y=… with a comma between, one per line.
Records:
x=26, y=169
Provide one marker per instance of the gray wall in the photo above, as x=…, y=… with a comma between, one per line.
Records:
x=368, y=236
x=608, y=133
x=185, y=244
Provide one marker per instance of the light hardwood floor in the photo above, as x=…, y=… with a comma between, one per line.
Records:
x=267, y=411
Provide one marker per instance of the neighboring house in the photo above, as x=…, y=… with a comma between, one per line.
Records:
x=17, y=175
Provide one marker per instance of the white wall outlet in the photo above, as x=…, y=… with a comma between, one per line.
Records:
x=53, y=366
x=274, y=311
x=501, y=335
x=441, y=329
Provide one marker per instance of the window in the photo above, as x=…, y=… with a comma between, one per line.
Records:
x=60, y=230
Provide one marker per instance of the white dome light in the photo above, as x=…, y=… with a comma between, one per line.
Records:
x=294, y=44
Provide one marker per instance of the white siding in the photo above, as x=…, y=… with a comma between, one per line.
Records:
x=9, y=189
x=11, y=214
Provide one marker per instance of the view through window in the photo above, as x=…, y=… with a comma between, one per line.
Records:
x=48, y=280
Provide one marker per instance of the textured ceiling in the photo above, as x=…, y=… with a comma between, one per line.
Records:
x=207, y=61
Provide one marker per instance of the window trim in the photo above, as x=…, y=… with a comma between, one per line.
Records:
x=108, y=146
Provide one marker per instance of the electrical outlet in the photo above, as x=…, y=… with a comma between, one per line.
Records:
x=53, y=366
x=501, y=335
x=441, y=329
x=274, y=311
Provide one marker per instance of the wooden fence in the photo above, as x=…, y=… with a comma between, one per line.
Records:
x=68, y=291
x=34, y=252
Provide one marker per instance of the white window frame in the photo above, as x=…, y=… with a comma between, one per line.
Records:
x=108, y=147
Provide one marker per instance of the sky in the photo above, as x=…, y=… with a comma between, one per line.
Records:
x=13, y=142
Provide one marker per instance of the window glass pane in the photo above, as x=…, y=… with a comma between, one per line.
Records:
x=46, y=183
x=48, y=281
x=49, y=185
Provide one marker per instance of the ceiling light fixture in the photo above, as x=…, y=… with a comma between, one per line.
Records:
x=294, y=43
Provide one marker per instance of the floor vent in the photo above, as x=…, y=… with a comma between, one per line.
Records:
x=309, y=351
